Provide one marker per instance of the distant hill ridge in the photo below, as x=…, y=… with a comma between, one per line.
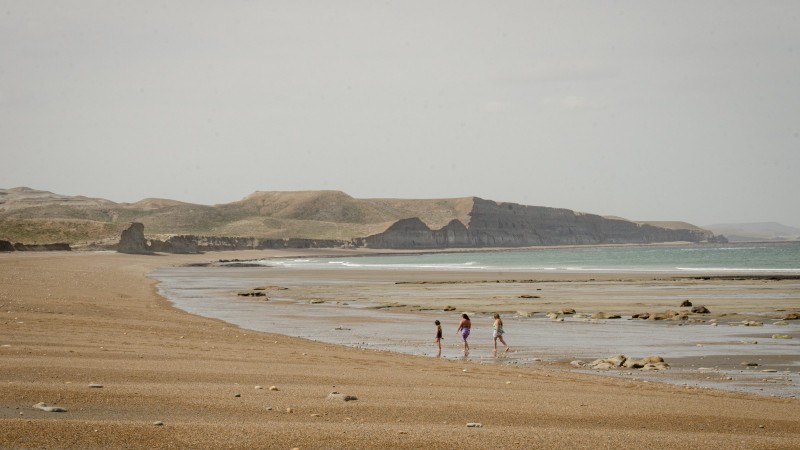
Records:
x=756, y=231
x=34, y=216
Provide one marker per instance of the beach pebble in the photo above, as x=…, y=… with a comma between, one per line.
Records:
x=95, y=385
x=474, y=424
x=273, y=388
x=237, y=395
x=289, y=410
x=268, y=408
x=158, y=423
x=48, y=408
x=341, y=397
x=259, y=387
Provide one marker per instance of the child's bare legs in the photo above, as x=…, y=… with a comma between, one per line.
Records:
x=501, y=340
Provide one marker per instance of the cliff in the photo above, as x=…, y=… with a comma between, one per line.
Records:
x=494, y=224
x=313, y=219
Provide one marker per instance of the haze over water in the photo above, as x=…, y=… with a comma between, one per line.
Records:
x=757, y=257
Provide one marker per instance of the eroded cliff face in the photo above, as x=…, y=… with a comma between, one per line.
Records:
x=512, y=225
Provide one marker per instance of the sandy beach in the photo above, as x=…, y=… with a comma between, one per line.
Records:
x=88, y=332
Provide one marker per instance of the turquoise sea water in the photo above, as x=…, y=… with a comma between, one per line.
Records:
x=725, y=258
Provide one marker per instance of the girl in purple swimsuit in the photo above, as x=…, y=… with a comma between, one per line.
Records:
x=438, y=340
x=464, y=327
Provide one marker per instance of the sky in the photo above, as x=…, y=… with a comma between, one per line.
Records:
x=648, y=110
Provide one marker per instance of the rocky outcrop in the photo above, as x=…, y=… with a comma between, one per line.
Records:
x=413, y=233
x=196, y=244
x=511, y=225
x=132, y=240
x=6, y=246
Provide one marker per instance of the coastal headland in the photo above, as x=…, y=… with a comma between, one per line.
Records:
x=88, y=333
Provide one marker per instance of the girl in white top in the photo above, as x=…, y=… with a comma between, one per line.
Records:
x=498, y=332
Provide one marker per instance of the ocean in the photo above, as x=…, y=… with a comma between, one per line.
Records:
x=779, y=258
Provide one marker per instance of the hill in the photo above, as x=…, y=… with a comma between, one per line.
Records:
x=755, y=232
x=32, y=216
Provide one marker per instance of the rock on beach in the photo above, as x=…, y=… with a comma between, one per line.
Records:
x=647, y=363
x=341, y=397
x=48, y=408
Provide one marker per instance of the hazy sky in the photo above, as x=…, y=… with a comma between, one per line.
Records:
x=649, y=110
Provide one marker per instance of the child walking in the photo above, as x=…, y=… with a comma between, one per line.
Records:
x=438, y=340
x=498, y=332
x=464, y=328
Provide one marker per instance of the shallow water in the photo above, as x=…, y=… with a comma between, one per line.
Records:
x=349, y=316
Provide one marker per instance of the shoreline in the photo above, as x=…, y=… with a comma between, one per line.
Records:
x=74, y=320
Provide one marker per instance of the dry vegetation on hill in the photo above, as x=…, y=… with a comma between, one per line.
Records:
x=39, y=217
x=32, y=216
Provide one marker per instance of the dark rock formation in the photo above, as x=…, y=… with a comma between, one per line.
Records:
x=132, y=240
x=175, y=244
x=6, y=246
x=512, y=225
x=57, y=247
x=413, y=233
x=198, y=244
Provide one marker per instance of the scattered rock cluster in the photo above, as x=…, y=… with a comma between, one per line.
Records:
x=620, y=361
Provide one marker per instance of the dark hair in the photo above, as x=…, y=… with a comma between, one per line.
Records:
x=436, y=322
x=465, y=316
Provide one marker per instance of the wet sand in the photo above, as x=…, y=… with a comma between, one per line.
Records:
x=171, y=379
x=395, y=310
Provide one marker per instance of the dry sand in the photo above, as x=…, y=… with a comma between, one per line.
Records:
x=73, y=319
